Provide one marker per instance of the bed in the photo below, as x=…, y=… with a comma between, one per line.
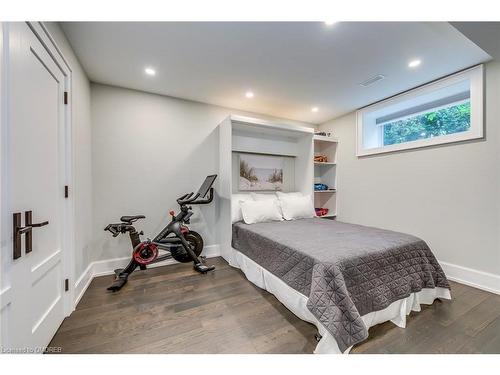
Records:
x=344, y=278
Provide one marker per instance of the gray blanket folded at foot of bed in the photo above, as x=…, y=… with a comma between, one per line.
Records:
x=346, y=270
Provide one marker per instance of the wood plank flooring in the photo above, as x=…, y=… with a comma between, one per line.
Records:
x=173, y=309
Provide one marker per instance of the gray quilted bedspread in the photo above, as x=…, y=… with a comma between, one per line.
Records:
x=345, y=270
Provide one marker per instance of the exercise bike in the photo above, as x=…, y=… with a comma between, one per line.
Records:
x=175, y=241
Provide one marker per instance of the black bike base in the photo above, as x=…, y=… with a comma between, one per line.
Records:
x=119, y=282
x=121, y=276
x=201, y=268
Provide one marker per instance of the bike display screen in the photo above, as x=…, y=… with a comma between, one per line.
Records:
x=207, y=184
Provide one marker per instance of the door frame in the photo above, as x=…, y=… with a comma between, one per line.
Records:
x=68, y=236
x=4, y=291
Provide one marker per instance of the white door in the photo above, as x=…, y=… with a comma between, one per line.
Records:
x=34, y=179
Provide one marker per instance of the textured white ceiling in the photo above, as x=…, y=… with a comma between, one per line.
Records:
x=290, y=66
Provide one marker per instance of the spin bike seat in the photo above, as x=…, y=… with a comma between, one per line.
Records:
x=131, y=219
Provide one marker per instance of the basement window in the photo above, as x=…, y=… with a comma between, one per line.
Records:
x=444, y=111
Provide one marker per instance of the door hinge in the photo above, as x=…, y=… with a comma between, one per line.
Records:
x=66, y=285
x=66, y=191
x=65, y=97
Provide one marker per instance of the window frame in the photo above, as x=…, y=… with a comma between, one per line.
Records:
x=475, y=75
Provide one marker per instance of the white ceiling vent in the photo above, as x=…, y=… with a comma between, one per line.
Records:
x=371, y=81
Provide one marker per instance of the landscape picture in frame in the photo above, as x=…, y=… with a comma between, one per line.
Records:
x=260, y=172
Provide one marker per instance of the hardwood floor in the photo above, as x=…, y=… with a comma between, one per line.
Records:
x=173, y=309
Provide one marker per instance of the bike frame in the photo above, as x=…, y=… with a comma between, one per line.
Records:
x=164, y=241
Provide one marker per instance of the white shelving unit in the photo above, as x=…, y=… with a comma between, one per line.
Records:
x=326, y=173
x=239, y=134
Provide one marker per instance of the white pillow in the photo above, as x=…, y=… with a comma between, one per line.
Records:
x=297, y=207
x=236, y=200
x=260, y=211
x=263, y=197
x=295, y=194
x=268, y=197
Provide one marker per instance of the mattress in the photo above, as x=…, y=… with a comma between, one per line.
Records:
x=345, y=270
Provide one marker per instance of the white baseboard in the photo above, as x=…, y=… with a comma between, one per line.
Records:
x=471, y=277
x=83, y=283
x=108, y=266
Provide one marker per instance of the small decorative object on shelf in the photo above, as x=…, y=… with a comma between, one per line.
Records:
x=321, y=211
x=321, y=159
x=320, y=187
x=324, y=134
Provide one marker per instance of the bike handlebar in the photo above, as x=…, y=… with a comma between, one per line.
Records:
x=116, y=229
x=190, y=199
x=185, y=196
x=113, y=229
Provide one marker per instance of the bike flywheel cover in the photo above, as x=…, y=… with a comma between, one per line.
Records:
x=145, y=253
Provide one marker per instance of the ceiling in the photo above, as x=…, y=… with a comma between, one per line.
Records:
x=485, y=34
x=289, y=66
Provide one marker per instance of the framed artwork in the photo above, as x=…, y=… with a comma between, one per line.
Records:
x=260, y=172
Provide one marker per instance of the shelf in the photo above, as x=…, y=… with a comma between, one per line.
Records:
x=324, y=163
x=326, y=173
x=322, y=138
x=328, y=216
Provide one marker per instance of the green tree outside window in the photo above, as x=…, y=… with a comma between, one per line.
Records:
x=453, y=119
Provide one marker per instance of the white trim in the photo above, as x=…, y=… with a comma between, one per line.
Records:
x=53, y=42
x=5, y=224
x=5, y=297
x=471, y=277
x=108, y=266
x=4, y=288
x=271, y=124
x=476, y=77
x=83, y=283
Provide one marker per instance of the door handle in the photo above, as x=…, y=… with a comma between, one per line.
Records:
x=38, y=225
x=28, y=222
x=27, y=230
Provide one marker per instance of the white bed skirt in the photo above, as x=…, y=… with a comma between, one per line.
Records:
x=296, y=302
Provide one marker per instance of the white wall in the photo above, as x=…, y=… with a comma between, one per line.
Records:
x=147, y=151
x=81, y=191
x=449, y=195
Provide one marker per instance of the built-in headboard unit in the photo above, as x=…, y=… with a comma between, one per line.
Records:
x=271, y=149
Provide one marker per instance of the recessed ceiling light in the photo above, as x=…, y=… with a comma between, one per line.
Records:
x=314, y=109
x=249, y=94
x=414, y=63
x=330, y=23
x=150, y=71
